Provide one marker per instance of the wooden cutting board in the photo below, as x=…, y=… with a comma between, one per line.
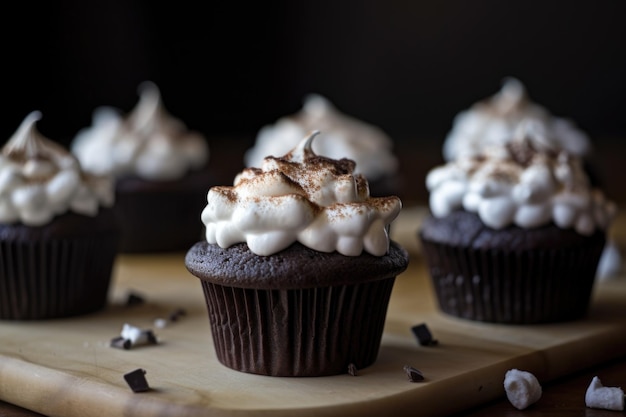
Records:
x=67, y=368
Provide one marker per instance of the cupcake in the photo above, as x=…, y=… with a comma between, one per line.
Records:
x=343, y=137
x=515, y=232
x=297, y=267
x=160, y=170
x=494, y=121
x=58, y=234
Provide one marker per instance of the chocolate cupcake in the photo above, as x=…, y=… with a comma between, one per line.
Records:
x=297, y=267
x=160, y=168
x=515, y=233
x=342, y=136
x=58, y=233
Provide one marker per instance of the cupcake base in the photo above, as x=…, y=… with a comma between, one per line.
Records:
x=298, y=312
x=513, y=275
x=58, y=270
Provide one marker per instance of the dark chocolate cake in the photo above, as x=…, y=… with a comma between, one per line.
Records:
x=512, y=275
x=59, y=269
x=298, y=312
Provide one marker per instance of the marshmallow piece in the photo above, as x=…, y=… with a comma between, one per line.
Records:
x=137, y=336
x=522, y=388
x=599, y=396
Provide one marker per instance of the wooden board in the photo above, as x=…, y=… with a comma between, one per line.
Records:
x=66, y=367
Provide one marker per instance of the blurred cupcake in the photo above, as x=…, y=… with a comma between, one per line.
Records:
x=342, y=137
x=160, y=169
x=297, y=266
x=516, y=232
x=58, y=235
x=494, y=120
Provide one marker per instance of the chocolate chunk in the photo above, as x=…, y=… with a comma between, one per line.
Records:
x=136, y=380
x=134, y=299
x=152, y=340
x=414, y=375
x=352, y=370
x=177, y=313
x=423, y=335
x=120, y=343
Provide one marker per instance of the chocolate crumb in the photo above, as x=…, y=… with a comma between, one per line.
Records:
x=136, y=380
x=177, y=313
x=352, y=370
x=152, y=340
x=414, y=375
x=120, y=343
x=423, y=335
x=134, y=299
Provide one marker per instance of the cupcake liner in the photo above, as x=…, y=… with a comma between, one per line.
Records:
x=517, y=287
x=298, y=332
x=56, y=277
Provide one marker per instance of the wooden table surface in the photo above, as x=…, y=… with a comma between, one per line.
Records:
x=564, y=397
x=563, y=393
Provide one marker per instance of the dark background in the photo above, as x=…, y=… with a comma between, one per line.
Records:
x=228, y=68
x=406, y=66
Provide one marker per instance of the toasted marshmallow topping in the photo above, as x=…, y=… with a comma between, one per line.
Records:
x=343, y=137
x=149, y=143
x=39, y=180
x=525, y=182
x=301, y=197
x=493, y=121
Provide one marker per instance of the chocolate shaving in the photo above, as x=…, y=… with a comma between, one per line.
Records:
x=414, y=375
x=134, y=299
x=136, y=380
x=120, y=343
x=177, y=314
x=423, y=335
x=152, y=340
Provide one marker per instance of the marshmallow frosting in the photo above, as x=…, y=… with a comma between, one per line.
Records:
x=493, y=121
x=526, y=182
x=149, y=143
x=343, y=137
x=39, y=180
x=300, y=197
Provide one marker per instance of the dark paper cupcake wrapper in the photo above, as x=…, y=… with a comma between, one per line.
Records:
x=308, y=332
x=522, y=287
x=55, y=278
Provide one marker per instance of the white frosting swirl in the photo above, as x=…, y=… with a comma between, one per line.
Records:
x=343, y=137
x=39, y=180
x=149, y=143
x=524, y=182
x=493, y=121
x=301, y=197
